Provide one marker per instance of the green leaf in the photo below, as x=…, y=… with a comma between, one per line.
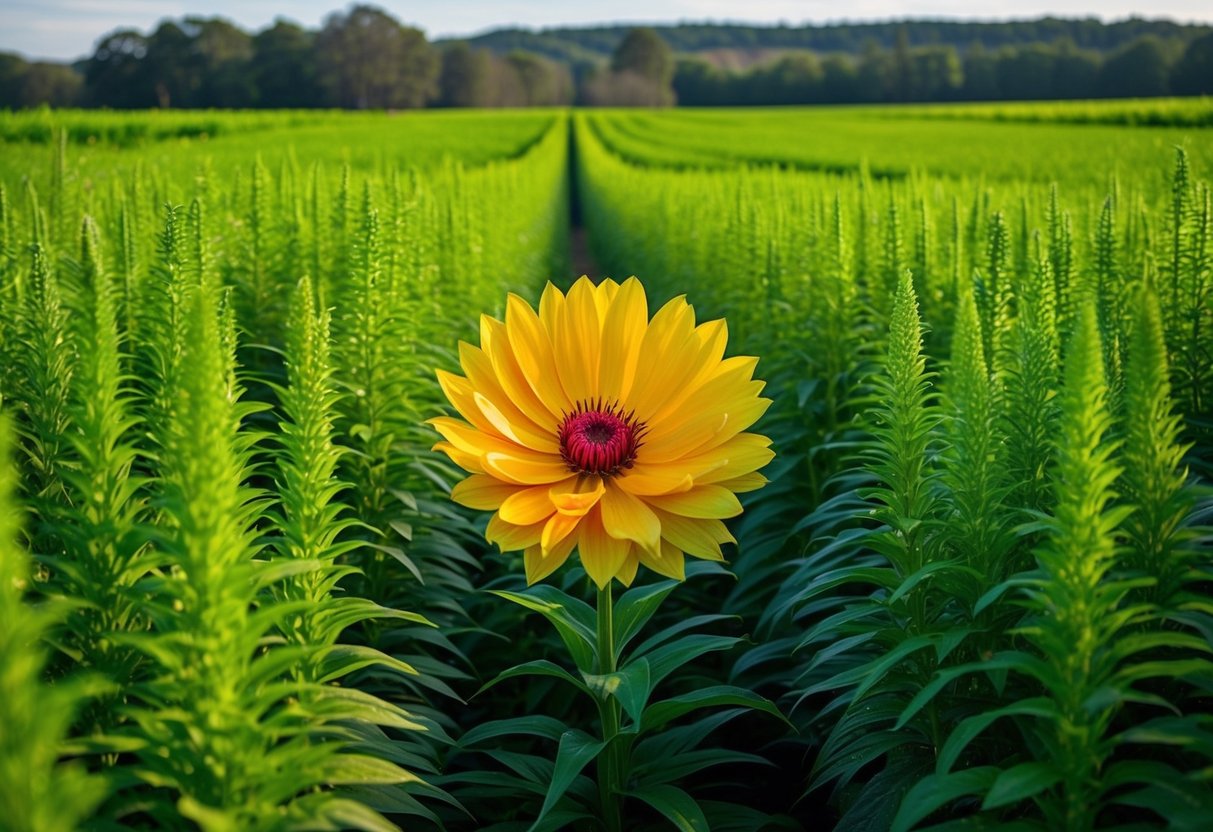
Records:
x=937, y=790
x=631, y=685
x=678, y=807
x=1020, y=782
x=660, y=713
x=539, y=667
x=573, y=620
x=535, y=725
x=968, y=729
x=576, y=751
x=665, y=660
x=634, y=609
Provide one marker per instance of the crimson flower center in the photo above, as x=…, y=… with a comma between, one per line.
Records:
x=598, y=438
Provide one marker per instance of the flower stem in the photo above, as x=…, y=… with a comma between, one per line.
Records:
x=608, y=710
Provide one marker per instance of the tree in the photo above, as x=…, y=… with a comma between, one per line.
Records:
x=12, y=74
x=1026, y=74
x=466, y=78
x=624, y=89
x=838, y=80
x=980, y=74
x=367, y=59
x=792, y=79
x=544, y=83
x=55, y=84
x=642, y=52
x=1140, y=70
x=1193, y=73
x=115, y=75
x=219, y=63
x=697, y=83
x=283, y=68
x=167, y=66
x=935, y=74
x=1074, y=71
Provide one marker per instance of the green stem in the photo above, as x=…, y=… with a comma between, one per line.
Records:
x=608, y=710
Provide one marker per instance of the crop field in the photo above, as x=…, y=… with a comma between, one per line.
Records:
x=947, y=566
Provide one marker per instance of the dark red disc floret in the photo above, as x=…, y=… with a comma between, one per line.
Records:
x=599, y=438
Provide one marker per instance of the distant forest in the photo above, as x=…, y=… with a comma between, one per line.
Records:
x=364, y=58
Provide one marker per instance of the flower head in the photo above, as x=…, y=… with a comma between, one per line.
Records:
x=587, y=425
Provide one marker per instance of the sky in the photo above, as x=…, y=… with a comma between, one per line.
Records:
x=68, y=29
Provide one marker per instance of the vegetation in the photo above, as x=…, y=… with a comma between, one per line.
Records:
x=365, y=58
x=235, y=592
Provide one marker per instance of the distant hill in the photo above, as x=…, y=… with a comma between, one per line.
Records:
x=588, y=46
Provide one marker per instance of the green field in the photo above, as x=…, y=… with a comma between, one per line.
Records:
x=975, y=594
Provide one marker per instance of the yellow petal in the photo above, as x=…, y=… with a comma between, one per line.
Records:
x=577, y=340
x=468, y=439
x=691, y=436
x=525, y=468
x=495, y=343
x=628, y=518
x=648, y=480
x=540, y=565
x=558, y=529
x=743, y=454
x=577, y=495
x=668, y=340
x=668, y=562
x=509, y=537
x=468, y=462
x=482, y=492
x=532, y=348
x=462, y=396
x=744, y=483
x=703, y=501
x=551, y=308
x=483, y=378
x=622, y=333
x=627, y=572
x=604, y=296
x=602, y=556
x=701, y=538
x=518, y=431
x=527, y=505
x=703, y=364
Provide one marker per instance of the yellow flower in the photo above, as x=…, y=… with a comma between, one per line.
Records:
x=587, y=425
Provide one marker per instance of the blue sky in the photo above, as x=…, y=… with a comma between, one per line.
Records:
x=66, y=29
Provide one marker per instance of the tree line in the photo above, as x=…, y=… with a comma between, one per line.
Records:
x=365, y=58
x=1146, y=67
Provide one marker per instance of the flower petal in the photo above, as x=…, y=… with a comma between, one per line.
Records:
x=708, y=502
x=576, y=340
x=577, y=495
x=517, y=430
x=701, y=538
x=525, y=468
x=462, y=396
x=483, y=378
x=468, y=462
x=495, y=343
x=527, y=505
x=558, y=529
x=669, y=562
x=539, y=565
x=628, y=518
x=482, y=492
x=532, y=347
x=648, y=480
x=509, y=537
x=622, y=334
x=602, y=556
